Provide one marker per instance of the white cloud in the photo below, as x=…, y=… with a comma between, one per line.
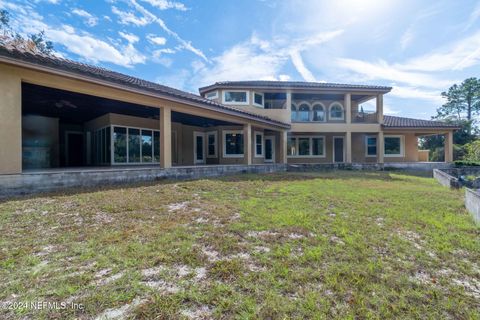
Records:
x=459, y=55
x=187, y=45
x=160, y=52
x=156, y=39
x=130, y=37
x=405, y=92
x=90, y=19
x=130, y=18
x=164, y=4
x=382, y=70
x=474, y=16
x=407, y=37
x=300, y=66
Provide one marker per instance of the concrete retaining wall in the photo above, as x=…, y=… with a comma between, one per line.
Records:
x=445, y=179
x=37, y=182
x=425, y=167
x=472, y=203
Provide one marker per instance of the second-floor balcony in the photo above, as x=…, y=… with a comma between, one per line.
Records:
x=335, y=113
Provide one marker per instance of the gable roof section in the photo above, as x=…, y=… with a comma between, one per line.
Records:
x=25, y=58
x=292, y=85
x=401, y=122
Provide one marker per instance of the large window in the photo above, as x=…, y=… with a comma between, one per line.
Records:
x=235, y=97
x=393, y=146
x=294, y=113
x=119, y=145
x=133, y=145
x=318, y=113
x=336, y=111
x=258, y=99
x=211, y=95
x=303, y=112
x=258, y=144
x=370, y=146
x=147, y=143
x=306, y=146
x=233, y=143
x=212, y=144
x=101, y=146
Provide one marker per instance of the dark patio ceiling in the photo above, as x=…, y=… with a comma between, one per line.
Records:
x=77, y=108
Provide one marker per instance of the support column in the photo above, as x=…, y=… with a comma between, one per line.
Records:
x=283, y=147
x=380, y=147
x=247, y=143
x=348, y=107
x=289, y=100
x=449, y=146
x=380, y=108
x=165, y=137
x=348, y=146
x=10, y=122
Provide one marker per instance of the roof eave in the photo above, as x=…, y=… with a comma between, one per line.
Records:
x=37, y=67
x=306, y=88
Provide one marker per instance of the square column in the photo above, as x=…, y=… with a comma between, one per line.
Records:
x=247, y=143
x=380, y=147
x=283, y=147
x=348, y=147
x=347, y=103
x=165, y=137
x=449, y=147
x=10, y=122
x=380, y=108
x=289, y=100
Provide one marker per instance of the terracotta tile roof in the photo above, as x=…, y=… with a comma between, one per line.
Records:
x=24, y=57
x=291, y=84
x=401, y=122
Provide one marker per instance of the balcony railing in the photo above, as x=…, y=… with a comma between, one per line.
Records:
x=364, y=117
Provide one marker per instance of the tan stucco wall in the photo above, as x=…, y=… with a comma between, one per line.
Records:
x=10, y=121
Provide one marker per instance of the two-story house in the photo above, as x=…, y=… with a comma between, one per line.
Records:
x=328, y=121
x=57, y=114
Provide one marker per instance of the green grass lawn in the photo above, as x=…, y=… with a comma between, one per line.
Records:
x=298, y=245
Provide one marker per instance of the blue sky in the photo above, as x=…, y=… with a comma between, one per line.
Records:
x=418, y=47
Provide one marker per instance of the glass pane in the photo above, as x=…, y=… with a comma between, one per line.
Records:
x=133, y=145
x=318, y=113
x=199, y=149
x=233, y=143
x=258, y=99
x=291, y=149
x=235, y=96
x=211, y=144
x=392, y=145
x=147, y=146
x=156, y=146
x=317, y=147
x=304, y=146
x=303, y=113
x=294, y=113
x=268, y=149
x=120, y=145
x=372, y=150
x=107, y=145
x=336, y=112
x=371, y=141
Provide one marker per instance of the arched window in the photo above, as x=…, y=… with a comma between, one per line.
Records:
x=304, y=112
x=336, y=111
x=294, y=112
x=318, y=113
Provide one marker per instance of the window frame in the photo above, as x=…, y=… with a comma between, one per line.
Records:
x=333, y=104
x=213, y=97
x=215, y=134
x=224, y=147
x=324, y=112
x=367, y=145
x=263, y=99
x=309, y=112
x=112, y=154
x=402, y=146
x=255, y=134
x=247, y=100
x=195, y=135
x=310, y=153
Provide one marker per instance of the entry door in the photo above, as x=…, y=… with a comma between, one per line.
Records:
x=199, y=147
x=74, y=149
x=269, y=148
x=338, y=149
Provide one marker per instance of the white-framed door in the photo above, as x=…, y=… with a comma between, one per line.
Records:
x=269, y=148
x=338, y=149
x=199, y=147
